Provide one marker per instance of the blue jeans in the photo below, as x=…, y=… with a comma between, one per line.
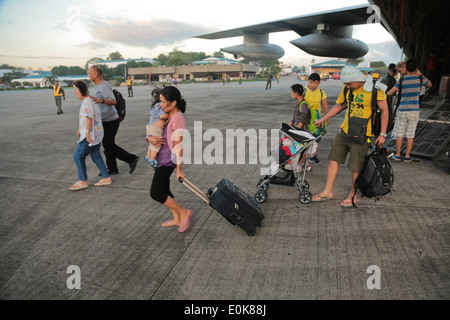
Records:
x=82, y=151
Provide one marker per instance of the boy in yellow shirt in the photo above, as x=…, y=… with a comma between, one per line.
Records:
x=359, y=98
x=317, y=100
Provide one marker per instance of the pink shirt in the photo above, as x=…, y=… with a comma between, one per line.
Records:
x=176, y=123
x=175, y=127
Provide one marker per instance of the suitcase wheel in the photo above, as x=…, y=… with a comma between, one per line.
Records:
x=261, y=196
x=305, y=197
x=251, y=232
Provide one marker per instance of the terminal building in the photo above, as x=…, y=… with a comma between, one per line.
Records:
x=202, y=70
x=115, y=63
x=330, y=67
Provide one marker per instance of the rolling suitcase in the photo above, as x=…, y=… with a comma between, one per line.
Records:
x=444, y=86
x=232, y=203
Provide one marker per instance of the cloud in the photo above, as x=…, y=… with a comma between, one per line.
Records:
x=94, y=45
x=148, y=34
x=387, y=51
x=34, y=57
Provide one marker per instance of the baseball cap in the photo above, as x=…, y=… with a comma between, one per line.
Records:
x=352, y=74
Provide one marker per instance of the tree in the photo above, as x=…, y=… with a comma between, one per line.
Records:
x=59, y=71
x=49, y=80
x=218, y=54
x=378, y=64
x=93, y=61
x=355, y=61
x=10, y=76
x=75, y=71
x=162, y=59
x=115, y=56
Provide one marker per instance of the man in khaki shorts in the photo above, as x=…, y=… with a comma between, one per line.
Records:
x=359, y=98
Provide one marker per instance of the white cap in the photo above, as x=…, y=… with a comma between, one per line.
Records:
x=352, y=74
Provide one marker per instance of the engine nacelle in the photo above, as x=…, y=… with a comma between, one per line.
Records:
x=265, y=51
x=326, y=45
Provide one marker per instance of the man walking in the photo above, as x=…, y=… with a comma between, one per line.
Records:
x=130, y=86
x=58, y=92
x=104, y=96
x=408, y=110
x=269, y=80
x=357, y=95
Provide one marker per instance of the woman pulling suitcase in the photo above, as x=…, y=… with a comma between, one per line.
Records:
x=173, y=104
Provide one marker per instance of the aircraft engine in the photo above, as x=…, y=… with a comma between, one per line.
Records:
x=265, y=51
x=326, y=45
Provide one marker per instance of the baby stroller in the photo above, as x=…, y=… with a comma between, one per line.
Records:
x=288, y=171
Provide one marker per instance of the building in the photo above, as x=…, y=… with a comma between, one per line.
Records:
x=115, y=63
x=194, y=72
x=330, y=67
x=215, y=60
x=40, y=79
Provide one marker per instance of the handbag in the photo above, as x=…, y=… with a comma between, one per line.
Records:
x=357, y=128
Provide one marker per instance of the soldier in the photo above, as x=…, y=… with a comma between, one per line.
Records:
x=58, y=92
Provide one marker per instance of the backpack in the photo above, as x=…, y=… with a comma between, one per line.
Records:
x=315, y=115
x=376, y=115
x=120, y=104
x=376, y=177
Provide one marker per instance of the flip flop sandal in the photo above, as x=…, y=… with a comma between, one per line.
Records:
x=103, y=182
x=78, y=186
x=169, y=224
x=186, y=224
x=348, y=203
x=320, y=198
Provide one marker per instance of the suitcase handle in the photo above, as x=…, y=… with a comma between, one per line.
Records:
x=194, y=189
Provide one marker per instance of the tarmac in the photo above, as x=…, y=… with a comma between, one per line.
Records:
x=395, y=249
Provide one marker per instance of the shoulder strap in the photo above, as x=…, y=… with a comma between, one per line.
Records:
x=374, y=106
x=300, y=105
x=400, y=84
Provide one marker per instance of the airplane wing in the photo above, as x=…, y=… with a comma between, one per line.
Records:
x=326, y=34
x=303, y=25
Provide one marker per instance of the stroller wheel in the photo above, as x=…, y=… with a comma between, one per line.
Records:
x=261, y=196
x=303, y=186
x=262, y=185
x=305, y=197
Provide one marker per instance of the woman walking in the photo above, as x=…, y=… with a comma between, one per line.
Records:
x=90, y=134
x=170, y=158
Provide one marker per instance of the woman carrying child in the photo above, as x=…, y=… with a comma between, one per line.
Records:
x=170, y=157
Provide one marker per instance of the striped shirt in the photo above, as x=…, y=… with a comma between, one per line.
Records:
x=409, y=100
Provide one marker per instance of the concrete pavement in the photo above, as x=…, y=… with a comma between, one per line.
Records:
x=114, y=236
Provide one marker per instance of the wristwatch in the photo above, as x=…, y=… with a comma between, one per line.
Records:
x=383, y=134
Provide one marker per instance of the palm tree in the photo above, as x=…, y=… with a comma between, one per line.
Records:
x=49, y=80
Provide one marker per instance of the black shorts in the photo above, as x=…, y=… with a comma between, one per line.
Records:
x=160, y=188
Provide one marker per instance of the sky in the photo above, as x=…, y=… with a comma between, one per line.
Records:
x=47, y=33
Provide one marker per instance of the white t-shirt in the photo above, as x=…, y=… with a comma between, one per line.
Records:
x=91, y=110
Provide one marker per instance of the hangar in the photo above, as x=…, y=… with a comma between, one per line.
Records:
x=194, y=72
x=421, y=29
